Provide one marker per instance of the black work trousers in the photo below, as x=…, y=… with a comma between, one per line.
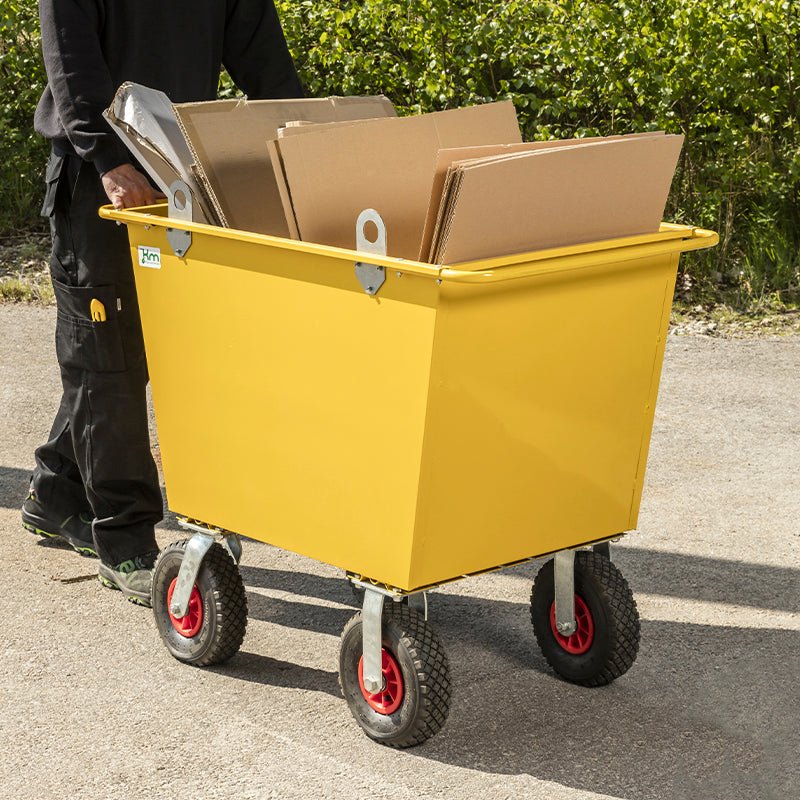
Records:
x=98, y=456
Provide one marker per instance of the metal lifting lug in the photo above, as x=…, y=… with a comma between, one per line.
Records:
x=370, y=276
x=179, y=206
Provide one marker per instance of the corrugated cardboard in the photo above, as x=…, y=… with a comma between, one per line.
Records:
x=144, y=120
x=283, y=188
x=334, y=171
x=227, y=140
x=557, y=197
x=449, y=157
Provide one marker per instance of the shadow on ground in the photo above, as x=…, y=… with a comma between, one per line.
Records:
x=723, y=730
x=13, y=486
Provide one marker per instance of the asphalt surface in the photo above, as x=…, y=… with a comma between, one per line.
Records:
x=93, y=706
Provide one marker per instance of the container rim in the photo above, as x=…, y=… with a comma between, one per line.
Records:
x=670, y=238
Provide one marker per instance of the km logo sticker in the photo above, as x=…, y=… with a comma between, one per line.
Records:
x=149, y=257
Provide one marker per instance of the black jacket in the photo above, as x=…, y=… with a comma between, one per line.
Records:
x=91, y=47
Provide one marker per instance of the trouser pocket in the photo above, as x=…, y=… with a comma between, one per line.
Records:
x=88, y=335
x=55, y=165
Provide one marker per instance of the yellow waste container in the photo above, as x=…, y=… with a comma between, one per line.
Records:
x=449, y=422
x=457, y=420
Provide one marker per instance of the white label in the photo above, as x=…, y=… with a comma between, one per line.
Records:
x=149, y=257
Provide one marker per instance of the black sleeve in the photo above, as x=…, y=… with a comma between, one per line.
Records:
x=256, y=54
x=79, y=79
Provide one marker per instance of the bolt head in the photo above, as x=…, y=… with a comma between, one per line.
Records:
x=566, y=628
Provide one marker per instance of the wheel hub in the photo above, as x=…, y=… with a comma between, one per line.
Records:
x=389, y=698
x=580, y=641
x=191, y=624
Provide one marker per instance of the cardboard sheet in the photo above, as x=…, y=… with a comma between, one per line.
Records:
x=554, y=197
x=144, y=120
x=283, y=188
x=227, y=140
x=448, y=157
x=336, y=171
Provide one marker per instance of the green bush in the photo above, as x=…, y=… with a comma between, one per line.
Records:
x=22, y=152
x=722, y=72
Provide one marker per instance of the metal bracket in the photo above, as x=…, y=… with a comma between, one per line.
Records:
x=604, y=548
x=564, y=575
x=196, y=549
x=370, y=276
x=179, y=206
x=231, y=541
x=372, y=635
x=419, y=602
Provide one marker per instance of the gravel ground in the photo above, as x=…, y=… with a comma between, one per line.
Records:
x=92, y=705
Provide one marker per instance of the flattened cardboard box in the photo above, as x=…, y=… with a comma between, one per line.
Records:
x=228, y=142
x=558, y=197
x=334, y=172
x=447, y=159
x=145, y=122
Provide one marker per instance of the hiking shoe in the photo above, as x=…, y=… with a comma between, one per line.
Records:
x=76, y=529
x=133, y=577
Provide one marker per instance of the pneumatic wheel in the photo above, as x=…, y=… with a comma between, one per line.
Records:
x=414, y=702
x=607, y=639
x=214, y=625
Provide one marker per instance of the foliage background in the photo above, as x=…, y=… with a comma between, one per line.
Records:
x=722, y=72
x=22, y=153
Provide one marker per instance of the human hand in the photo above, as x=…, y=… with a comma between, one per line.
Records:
x=126, y=187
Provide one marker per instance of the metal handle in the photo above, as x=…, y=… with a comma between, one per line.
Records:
x=696, y=239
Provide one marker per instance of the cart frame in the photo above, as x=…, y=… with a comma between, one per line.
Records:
x=571, y=586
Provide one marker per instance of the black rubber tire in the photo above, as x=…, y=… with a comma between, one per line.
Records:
x=224, y=606
x=425, y=672
x=614, y=614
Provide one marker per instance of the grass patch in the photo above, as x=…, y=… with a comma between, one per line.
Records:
x=24, y=272
x=766, y=317
x=24, y=288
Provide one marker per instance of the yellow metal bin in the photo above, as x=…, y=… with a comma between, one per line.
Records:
x=449, y=422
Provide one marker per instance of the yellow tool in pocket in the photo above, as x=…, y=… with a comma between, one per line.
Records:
x=98, y=311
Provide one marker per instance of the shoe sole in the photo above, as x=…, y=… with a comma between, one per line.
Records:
x=83, y=549
x=131, y=597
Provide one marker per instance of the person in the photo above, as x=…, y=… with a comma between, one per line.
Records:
x=95, y=483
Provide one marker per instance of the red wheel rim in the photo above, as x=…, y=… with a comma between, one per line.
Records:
x=189, y=625
x=582, y=639
x=388, y=700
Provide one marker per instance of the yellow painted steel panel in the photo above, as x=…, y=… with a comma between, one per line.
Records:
x=290, y=410
x=542, y=398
